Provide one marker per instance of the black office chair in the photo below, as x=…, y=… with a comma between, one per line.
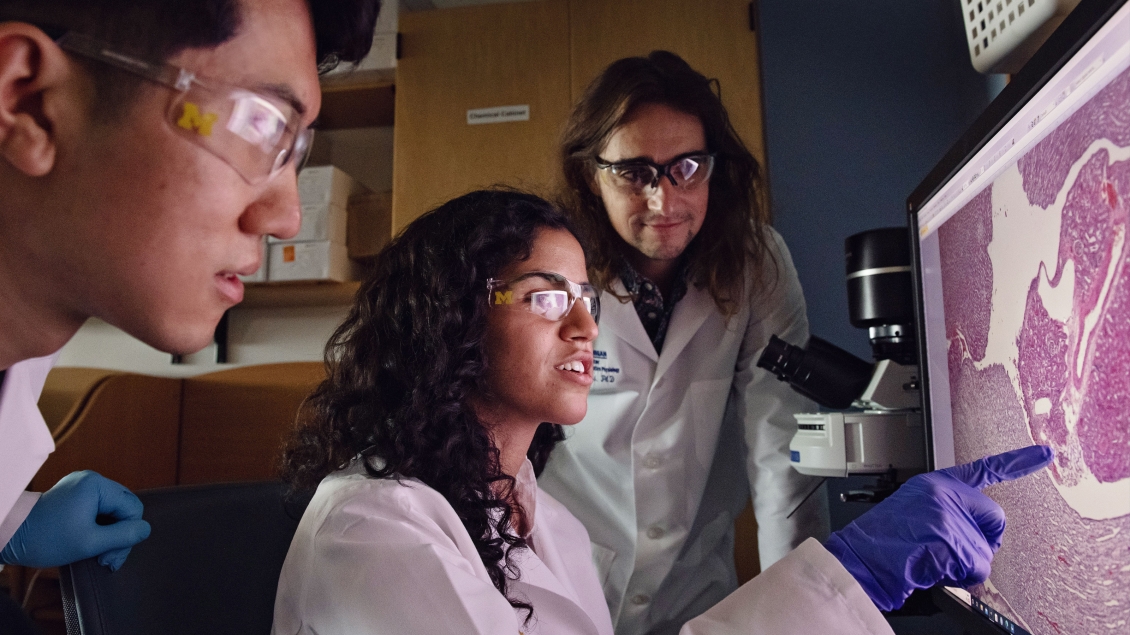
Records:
x=211, y=565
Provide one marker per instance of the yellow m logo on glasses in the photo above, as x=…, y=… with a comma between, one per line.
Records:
x=504, y=297
x=192, y=120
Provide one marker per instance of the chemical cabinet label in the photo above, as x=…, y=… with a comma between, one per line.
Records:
x=498, y=114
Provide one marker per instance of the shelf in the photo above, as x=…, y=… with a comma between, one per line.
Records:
x=357, y=104
x=298, y=294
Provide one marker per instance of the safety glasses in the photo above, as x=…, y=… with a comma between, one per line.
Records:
x=255, y=134
x=641, y=177
x=543, y=293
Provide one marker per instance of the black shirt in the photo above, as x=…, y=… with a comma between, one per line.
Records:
x=654, y=312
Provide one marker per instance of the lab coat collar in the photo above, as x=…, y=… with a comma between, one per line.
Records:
x=620, y=319
x=25, y=440
x=526, y=493
x=690, y=313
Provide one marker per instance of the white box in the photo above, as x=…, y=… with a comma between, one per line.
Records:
x=310, y=261
x=324, y=185
x=320, y=223
x=261, y=274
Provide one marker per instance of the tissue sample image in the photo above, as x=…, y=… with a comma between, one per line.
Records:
x=1036, y=287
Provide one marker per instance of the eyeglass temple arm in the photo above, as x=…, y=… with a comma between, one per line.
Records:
x=165, y=74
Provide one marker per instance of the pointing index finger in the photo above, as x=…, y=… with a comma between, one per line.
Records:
x=1006, y=466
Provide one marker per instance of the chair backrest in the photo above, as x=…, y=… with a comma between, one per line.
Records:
x=124, y=426
x=234, y=421
x=211, y=565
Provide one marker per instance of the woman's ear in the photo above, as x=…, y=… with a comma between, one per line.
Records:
x=32, y=66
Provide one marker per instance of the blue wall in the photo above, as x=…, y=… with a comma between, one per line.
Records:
x=861, y=100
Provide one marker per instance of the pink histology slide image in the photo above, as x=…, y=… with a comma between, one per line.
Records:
x=1036, y=289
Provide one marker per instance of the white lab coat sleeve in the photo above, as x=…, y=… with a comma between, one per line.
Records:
x=766, y=406
x=25, y=440
x=389, y=564
x=16, y=516
x=808, y=591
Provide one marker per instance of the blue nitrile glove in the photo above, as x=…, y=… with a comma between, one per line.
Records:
x=936, y=528
x=61, y=527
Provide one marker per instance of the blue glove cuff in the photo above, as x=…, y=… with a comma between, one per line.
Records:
x=7, y=556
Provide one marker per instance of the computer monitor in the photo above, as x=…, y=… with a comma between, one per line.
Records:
x=1022, y=258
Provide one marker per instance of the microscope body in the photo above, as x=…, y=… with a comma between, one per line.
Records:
x=875, y=422
x=885, y=432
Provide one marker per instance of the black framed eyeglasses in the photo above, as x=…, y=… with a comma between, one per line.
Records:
x=640, y=176
x=257, y=135
x=550, y=295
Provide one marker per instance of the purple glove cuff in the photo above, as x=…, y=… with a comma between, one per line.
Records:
x=864, y=576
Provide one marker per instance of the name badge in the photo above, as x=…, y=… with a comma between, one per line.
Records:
x=605, y=371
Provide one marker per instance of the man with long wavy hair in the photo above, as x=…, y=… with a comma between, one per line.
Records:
x=682, y=425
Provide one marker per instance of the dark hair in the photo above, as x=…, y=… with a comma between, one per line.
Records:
x=159, y=29
x=404, y=365
x=733, y=234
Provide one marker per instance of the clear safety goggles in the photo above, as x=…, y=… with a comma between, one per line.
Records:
x=256, y=134
x=543, y=293
x=641, y=177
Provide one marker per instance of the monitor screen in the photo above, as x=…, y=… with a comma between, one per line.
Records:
x=1024, y=294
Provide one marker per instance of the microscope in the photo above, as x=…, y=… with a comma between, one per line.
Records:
x=874, y=422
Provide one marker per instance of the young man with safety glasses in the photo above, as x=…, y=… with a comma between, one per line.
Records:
x=145, y=149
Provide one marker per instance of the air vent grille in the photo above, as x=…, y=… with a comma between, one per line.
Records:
x=1002, y=34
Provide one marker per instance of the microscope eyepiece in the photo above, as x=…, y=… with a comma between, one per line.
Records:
x=821, y=371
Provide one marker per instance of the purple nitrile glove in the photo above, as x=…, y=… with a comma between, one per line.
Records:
x=937, y=528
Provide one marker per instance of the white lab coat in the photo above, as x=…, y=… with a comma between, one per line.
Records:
x=374, y=556
x=25, y=440
x=377, y=557
x=672, y=443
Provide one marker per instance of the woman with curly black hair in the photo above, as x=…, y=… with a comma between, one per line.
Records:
x=467, y=346
x=448, y=382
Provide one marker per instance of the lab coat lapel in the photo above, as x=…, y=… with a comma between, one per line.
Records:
x=25, y=440
x=689, y=314
x=547, y=593
x=620, y=319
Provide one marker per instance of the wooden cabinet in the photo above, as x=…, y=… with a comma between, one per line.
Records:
x=455, y=60
x=541, y=54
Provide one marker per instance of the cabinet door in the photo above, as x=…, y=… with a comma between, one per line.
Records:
x=713, y=37
x=455, y=60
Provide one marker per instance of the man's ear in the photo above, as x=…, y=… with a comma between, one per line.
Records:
x=31, y=66
x=591, y=179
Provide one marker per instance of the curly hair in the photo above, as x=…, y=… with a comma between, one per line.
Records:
x=733, y=235
x=403, y=367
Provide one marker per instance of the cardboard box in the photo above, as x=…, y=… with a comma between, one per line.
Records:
x=310, y=261
x=370, y=223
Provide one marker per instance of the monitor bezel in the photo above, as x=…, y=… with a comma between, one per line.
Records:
x=1075, y=31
